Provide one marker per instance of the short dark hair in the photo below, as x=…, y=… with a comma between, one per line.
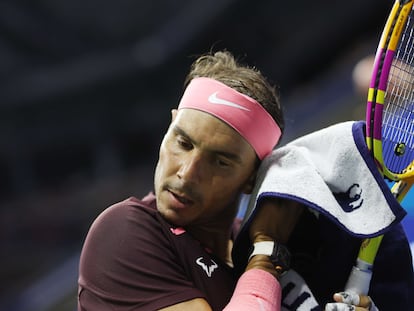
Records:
x=222, y=66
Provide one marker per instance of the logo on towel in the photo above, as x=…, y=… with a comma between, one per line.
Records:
x=220, y=101
x=351, y=199
x=208, y=269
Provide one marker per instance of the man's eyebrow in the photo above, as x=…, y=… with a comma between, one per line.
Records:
x=229, y=155
x=179, y=131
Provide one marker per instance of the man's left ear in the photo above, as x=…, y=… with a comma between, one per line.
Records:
x=248, y=187
x=173, y=114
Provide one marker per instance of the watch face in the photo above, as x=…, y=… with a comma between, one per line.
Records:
x=280, y=258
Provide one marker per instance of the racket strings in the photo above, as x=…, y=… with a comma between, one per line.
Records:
x=398, y=114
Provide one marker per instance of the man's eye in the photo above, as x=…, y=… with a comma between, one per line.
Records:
x=222, y=163
x=184, y=144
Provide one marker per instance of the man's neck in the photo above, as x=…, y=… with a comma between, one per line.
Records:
x=215, y=240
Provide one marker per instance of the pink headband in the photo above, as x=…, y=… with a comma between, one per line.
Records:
x=241, y=112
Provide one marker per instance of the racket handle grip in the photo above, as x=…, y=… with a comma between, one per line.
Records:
x=360, y=278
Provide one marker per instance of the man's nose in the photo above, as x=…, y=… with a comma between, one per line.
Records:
x=191, y=168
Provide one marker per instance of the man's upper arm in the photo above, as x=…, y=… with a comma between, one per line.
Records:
x=128, y=258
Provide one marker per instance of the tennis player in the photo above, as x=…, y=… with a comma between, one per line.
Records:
x=171, y=249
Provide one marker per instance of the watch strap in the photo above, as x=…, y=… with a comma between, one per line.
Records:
x=262, y=248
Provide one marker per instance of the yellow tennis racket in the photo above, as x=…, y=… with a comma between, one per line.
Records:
x=390, y=122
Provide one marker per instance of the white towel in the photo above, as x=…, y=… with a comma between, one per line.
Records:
x=332, y=172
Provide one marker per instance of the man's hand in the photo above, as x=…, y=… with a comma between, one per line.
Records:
x=346, y=301
x=275, y=219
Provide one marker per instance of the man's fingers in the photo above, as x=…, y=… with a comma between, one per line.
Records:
x=350, y=298
x=367, y=302
x=339, y=306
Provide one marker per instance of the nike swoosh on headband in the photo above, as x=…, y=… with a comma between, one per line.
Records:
x=219, y=101
x=243, y=113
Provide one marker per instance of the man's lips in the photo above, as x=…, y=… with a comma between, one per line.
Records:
x=180, y=200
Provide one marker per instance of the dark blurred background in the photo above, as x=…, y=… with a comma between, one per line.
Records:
x=86, y=89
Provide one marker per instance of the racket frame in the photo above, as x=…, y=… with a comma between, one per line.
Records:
x=386, y=50
x=360, y=276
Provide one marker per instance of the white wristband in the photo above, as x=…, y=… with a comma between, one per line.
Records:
x=262, y=248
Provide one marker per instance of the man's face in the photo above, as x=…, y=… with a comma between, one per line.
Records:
x=203, y=167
